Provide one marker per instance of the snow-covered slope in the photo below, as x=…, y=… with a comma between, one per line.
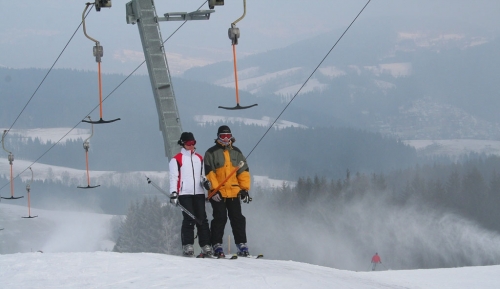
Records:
x=44, y=135
x=53, y=231
x=264, y=121
x=145, y=270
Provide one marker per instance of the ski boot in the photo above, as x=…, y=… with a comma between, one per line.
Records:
x=188, y=250
x=206, y=251
x=218, y=251
x=242, y=250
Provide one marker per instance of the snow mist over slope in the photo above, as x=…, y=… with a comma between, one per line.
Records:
x=347, y=234
x=72, y=228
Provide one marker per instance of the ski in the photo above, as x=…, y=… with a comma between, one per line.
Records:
x=253, y=256
x=203, y=256
x=229, y=257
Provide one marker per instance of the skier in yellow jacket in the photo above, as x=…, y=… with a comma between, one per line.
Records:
x=220, y=160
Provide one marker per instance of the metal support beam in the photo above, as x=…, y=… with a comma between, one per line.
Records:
x=143, y=13
x=185, y=16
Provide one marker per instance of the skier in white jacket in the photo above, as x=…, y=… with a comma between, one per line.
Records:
x=186, y=171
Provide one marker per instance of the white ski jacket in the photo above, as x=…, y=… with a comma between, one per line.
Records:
x=186, y=170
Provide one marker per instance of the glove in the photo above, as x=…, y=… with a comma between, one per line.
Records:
x=174, y=200
x=217, y=197
x=244, y=196
x=207, y=185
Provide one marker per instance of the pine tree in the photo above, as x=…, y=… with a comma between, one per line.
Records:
x=150, y=226
x=127, y=240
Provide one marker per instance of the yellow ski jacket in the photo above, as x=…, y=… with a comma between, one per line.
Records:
x=219, y=162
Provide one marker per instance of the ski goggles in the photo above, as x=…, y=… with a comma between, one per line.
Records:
x=225, y=136
x=190, y=143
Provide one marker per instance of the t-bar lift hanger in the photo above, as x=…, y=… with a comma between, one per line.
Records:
x=234, y=34
x=98, y=53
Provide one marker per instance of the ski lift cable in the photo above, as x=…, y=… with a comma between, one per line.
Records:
x=79, y=122
x=314, y=71
x=47, y=74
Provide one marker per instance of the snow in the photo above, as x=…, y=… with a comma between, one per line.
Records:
x=146, y=270
x=76, y=177
x=455, y=147
x=266, y=182
x=246, y=73
x=331, y=71
x=265, y=121
x=49, y=134
x=384, y=85
x=42, y=171
x=72, y=228
x=394, y=69
x=312, y=85
x=253, y=83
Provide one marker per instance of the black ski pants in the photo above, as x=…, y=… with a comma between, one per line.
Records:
x=196, y=205
x=221, y=210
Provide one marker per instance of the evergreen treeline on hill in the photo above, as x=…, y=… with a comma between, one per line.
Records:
x=422, y=217
x=470, y=187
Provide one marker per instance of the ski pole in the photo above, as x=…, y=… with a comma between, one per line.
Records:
x=178, y=205
x=214, y=191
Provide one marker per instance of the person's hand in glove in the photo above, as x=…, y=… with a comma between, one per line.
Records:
x=207, y=185
x=174, y=200
x=217, y=197
x=244, y=196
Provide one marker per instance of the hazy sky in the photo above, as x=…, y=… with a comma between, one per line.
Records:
x=33, y=33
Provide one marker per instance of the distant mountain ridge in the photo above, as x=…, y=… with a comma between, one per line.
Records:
x=406, y=83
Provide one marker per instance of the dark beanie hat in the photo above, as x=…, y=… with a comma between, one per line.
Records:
x=223, y=129
x=186, y=136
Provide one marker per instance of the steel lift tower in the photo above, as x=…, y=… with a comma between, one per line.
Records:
x=143, y=13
